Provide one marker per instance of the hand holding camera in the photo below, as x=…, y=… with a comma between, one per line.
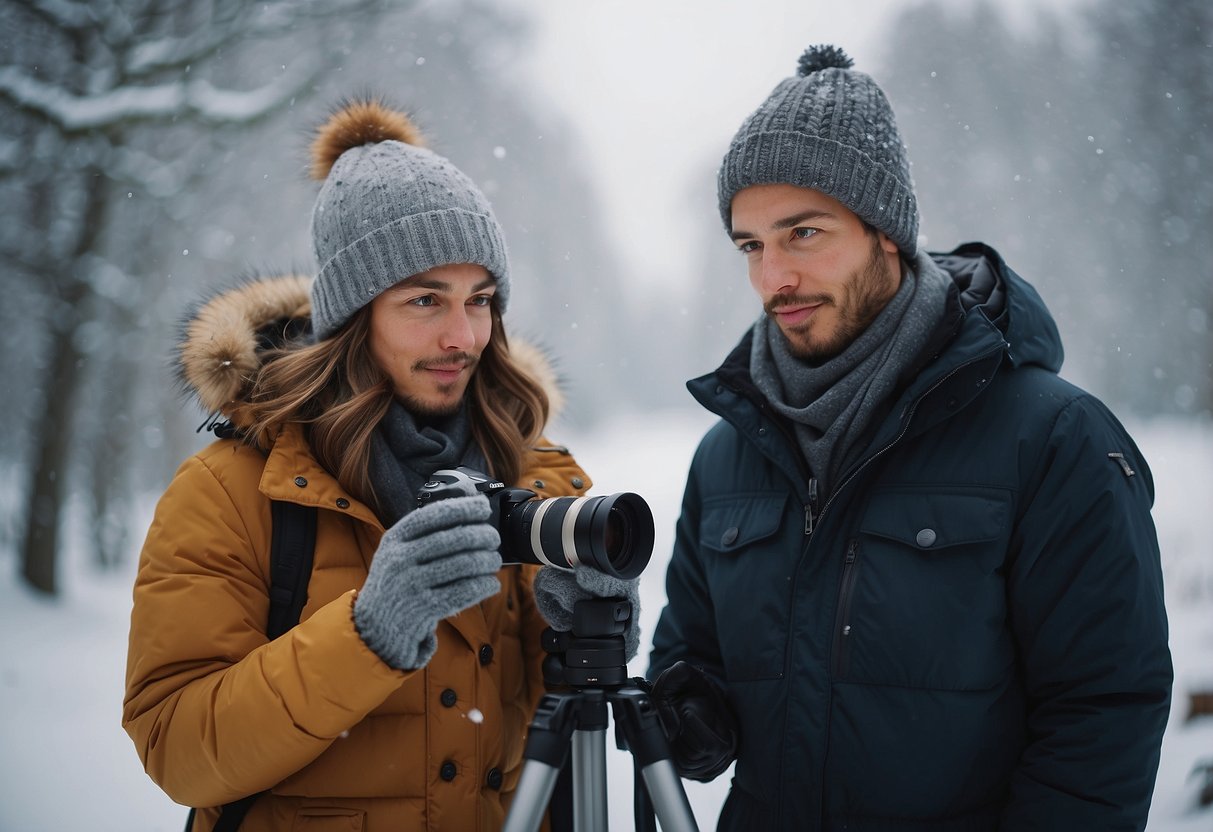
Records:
x=433, y=563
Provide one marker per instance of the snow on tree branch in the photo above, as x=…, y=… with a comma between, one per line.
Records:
x=256, y=21
x=197, y=99
x=64, y=15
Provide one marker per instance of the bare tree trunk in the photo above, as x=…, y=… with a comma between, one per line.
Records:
x=109, y=460
x=53, y=432
x=44, y=505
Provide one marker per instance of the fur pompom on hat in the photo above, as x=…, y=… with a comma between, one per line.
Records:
x=390, y=208
x=829, y=128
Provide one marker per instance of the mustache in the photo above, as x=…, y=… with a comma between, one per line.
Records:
x=783, y=301
x=448, y=362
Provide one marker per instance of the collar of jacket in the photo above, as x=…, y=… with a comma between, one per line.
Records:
x=292, y=474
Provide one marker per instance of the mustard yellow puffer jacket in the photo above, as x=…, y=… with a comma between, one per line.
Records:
x=342, y=740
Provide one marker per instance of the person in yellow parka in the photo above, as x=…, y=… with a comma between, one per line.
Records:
x=401, y=699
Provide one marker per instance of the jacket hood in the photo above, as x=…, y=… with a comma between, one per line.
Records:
x=988, y=286
x=224, y=340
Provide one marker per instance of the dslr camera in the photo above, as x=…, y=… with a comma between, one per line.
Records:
x=613, y=534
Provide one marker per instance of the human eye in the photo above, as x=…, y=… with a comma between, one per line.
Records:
x=422, y=300
x=480, y=300
x=747, y=246
x=804, y=233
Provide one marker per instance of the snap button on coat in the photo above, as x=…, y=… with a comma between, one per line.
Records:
x=448, y=698
x=486, y=653
x=729, y=537
x=493, y=779
x=448, y=771
x=926, y=538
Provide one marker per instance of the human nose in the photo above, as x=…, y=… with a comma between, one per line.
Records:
x=457, y=332
x=774, y=273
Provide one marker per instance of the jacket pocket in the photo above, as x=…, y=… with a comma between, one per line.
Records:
x=747, y=557
x=928, y=607
x=320, y=819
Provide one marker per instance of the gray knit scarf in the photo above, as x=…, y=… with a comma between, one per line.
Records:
x=831, y=405
x=404, y=455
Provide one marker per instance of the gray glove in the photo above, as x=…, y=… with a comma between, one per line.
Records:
x=434, y=562
x=556, y=590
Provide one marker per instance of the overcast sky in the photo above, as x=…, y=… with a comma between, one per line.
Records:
x=656, y=88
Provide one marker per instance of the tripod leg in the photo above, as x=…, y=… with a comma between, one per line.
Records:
x=645, y=739
x=547, y=749
x=669, y=798
x=531, y=798
x=589, y=781
x=642, y=807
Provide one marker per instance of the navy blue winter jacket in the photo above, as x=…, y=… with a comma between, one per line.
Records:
x=968, y=633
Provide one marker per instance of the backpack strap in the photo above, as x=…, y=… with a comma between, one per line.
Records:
x=292, y=547
x=292, y=550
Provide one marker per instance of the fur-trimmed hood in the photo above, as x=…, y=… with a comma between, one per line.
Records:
x=224, y=340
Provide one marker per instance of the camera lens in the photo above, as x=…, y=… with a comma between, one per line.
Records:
x=613, y=534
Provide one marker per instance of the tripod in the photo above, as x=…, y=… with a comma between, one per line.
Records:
x=591, y=659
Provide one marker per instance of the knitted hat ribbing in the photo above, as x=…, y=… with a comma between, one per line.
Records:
x=389, y=209
x=829, y=128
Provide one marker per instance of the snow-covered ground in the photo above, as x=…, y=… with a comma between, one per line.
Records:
x=65, y=762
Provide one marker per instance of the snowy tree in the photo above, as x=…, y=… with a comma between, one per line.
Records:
x=98, y=100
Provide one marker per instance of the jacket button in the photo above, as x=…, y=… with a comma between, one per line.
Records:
x=447, y=771
x=762, y=431
x=448, y=698
x=342, y=502
x=538, y=483
x=486, y=653
x=729, y=537
x=493, y=778
x=926, y=538
x=578, y=482
x=301, y=481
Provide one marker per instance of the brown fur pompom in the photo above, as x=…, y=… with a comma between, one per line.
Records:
x=357, y=122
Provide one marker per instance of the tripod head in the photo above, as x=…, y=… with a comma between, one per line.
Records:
x=592, y=654
x=591, y=659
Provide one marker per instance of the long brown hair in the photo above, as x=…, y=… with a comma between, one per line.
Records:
x=337, y=391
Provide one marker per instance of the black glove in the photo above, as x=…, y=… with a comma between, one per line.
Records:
x=697, y=721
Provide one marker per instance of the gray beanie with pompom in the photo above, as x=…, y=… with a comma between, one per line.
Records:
x=829, y=128
x=390, y=208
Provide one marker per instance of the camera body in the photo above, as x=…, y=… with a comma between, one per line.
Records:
x=612, y=534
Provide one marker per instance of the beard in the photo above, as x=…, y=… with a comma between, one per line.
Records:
x=426, y=410
x=859, y=300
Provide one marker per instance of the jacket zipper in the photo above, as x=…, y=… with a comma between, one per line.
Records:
x=810, y=508
x=842, y=624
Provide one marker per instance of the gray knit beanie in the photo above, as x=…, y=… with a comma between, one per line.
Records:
x=389, y=209
x=831, y=129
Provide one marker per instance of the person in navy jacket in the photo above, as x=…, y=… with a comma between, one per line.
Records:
x=915, y=583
